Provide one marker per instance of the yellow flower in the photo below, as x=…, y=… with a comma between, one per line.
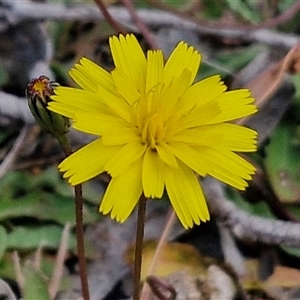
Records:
x=157, y=130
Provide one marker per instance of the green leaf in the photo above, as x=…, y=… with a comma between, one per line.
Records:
x=3, y=241
x=45, y=206
x=282, y=162
x=259, y=208
x=285, y=4
x=44, y=197
x=291, y=251
x=35, y=286
x=214, y=9
x=14, y=184
x=31, y=237
x=245, y=10
x=228, y=62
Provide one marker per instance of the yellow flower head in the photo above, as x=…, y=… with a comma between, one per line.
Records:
x=157, y=130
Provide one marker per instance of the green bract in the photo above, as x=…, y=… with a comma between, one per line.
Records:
x=38, y=94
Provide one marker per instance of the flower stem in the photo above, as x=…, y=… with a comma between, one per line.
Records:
x=80, y=242
x=139, y=247
x=64, y=142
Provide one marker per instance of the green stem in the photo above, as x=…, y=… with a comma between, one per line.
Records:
x=139, y=247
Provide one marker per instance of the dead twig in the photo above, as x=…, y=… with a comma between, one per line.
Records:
x=59, y=262
x=13, y=154
x=21, y=10
x=246, y=226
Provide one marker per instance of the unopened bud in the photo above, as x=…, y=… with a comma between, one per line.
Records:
x=38, y=94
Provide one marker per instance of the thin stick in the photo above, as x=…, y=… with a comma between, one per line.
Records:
x=59, y=262
x=145, y=294
x=140, y=24
x=139, y=247
x=79, y=227
x=17, y=265
x=12, y=155
x=106, y=14
x=285, y=17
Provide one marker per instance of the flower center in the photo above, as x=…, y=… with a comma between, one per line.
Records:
x=152, y=130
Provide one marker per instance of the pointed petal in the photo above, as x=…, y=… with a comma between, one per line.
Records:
x=191, y=157
x=172, y=93
x=124, y=158
x=116, y=103
x=183, y=57
x=152, y=175
x=186, y=195
x=228, y=167
x=129, y=57
x=226, y=107
x=67, y=101
x=230, y=136
x=125, y=86
x=199, y=115
x=89, y=75
x=155, y=66
x=112, y=129
x=123, y=193
x=166, y=155
x=201, y=93
x=87, y=162
x=234, y=105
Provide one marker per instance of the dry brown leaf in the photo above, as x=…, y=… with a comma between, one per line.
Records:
x=175, y=257
x=284, y=277
x=264, y=85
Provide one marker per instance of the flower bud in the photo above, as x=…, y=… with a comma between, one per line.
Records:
x=38, y=94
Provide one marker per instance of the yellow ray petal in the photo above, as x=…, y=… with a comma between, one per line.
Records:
x=172, y=93
x=123, y=193
x=125, y=86
x=121, y=137
x=183, y=57
x=201, y=93
x=100, y=124
x=234, y=105
x=199, y=115
x=155, y=66
x=186, y=195
x=152, y=175
x=89, y=75
x=166, y=155
x=224, y=135
x=234, y=137
x=124, y=158
x=191, y=157
x=67, y=101
x=227, y=106
x=228, y=167
x=129, y=57
x=87, y=162
x=116, y=103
